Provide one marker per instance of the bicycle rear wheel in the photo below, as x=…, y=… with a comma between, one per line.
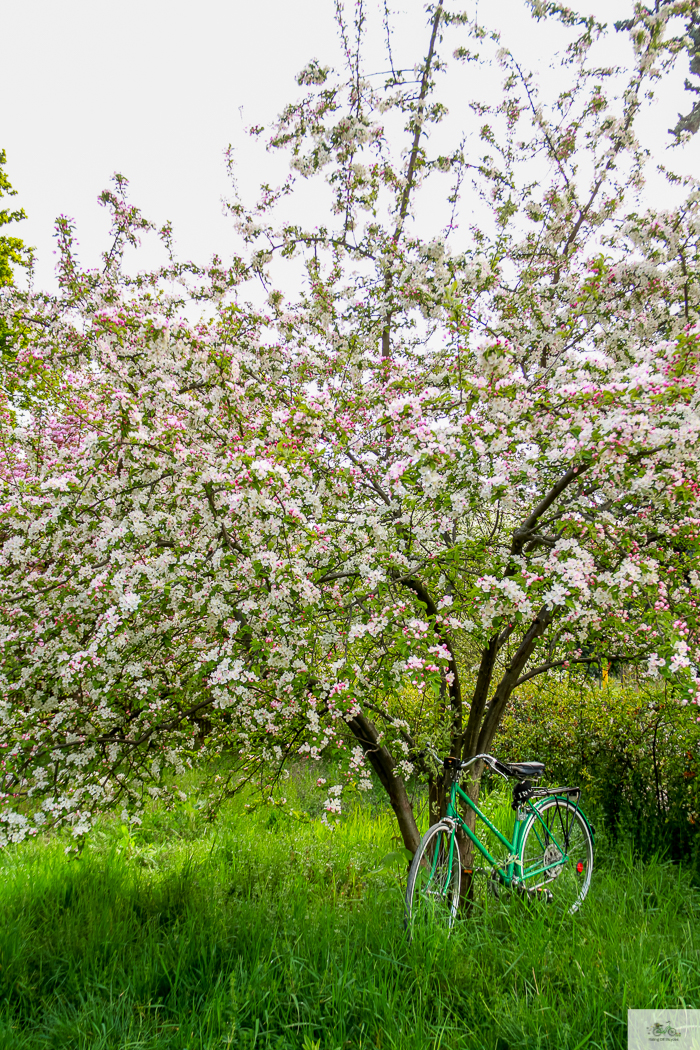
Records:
x=556, y=855
x=432, y=892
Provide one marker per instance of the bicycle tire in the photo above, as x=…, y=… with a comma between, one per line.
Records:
x=432, y=891
x=558, y=824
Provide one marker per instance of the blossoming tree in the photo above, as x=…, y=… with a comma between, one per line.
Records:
x=361, y=513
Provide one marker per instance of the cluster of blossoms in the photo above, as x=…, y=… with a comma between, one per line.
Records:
x=325, y=524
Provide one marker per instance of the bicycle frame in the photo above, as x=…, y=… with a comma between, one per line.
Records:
x=509, y=874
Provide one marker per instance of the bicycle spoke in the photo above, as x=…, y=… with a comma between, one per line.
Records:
x=432, y=894
x=556, y=857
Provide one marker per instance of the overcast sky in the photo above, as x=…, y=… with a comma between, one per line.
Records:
x=156, y=89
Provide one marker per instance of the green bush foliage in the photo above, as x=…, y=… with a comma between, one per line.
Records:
x=635, y=752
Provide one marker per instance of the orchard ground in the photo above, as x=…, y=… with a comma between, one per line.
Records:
x=266, y=929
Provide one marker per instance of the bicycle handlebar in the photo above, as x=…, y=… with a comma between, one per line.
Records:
x=494, y=764
x=489, y=760
x=458, y=766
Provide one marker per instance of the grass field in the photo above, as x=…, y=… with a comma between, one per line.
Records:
x=268, y=930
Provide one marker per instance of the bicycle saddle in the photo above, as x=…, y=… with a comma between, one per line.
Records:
x=523, y=770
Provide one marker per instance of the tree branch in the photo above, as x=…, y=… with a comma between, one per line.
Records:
x=455, y=689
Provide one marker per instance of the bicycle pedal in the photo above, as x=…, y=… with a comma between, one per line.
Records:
x=537, y=893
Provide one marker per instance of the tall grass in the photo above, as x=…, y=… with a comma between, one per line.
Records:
x=270, y=931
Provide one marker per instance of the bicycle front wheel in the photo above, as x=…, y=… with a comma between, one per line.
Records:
x=432, y=893
x=556, y=855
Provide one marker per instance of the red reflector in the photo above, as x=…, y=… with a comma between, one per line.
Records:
x=579, y=867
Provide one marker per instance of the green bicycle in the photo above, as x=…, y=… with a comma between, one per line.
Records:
x=550, y=856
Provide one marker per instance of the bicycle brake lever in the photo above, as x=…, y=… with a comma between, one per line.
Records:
x=493, y=764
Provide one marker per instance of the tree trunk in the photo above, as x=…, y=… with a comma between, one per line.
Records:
x=384, y=766
x=437, y=798
x=467, y=855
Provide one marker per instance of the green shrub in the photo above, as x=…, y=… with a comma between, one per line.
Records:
x=635, y=752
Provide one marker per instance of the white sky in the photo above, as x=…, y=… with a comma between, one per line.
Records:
x=156, y=89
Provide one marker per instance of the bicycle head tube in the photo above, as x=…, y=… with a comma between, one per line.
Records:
x=452, y=768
